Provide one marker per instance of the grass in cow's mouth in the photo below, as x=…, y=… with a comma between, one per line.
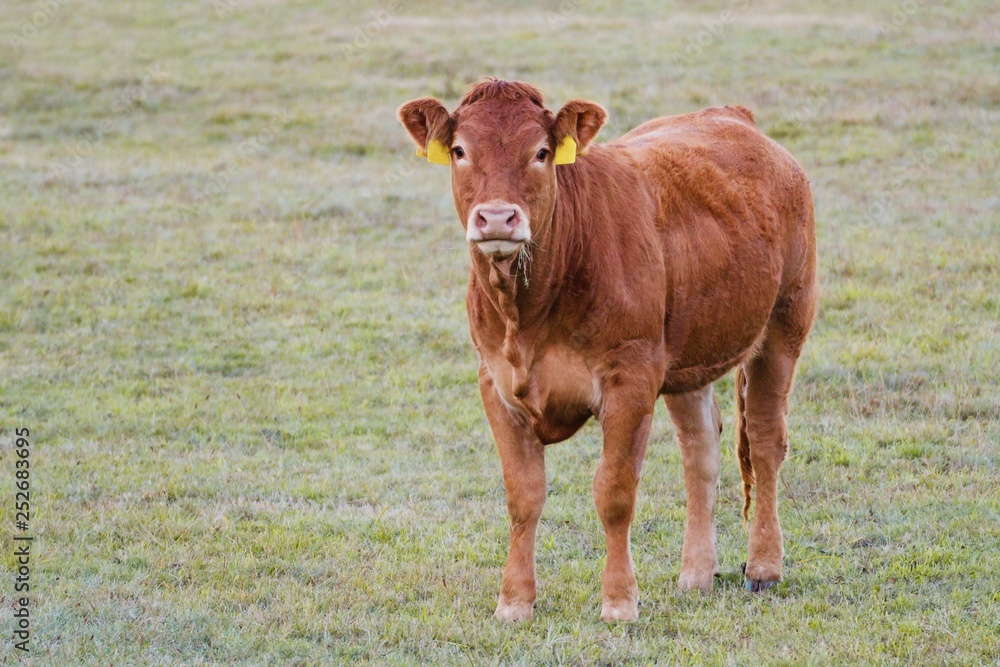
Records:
x=232, y=315
x=524, y=257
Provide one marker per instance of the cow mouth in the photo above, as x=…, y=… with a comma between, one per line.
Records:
x=499, y=248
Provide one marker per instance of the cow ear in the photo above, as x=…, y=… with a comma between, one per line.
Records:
x=575, y=126
x=429, y=126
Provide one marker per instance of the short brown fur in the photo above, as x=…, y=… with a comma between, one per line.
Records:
x=657, y=262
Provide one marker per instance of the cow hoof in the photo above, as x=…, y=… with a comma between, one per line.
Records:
x=696, y=581
x=761, y=576
x=513, y=612
x=624, y=611
x=758, y=585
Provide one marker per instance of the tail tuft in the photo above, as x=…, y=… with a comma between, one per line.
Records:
x=743, y=441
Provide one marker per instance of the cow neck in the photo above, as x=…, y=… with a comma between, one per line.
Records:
x=511, y=286
x=504, y=284
x=524, y=291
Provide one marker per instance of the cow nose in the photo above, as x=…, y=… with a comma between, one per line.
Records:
x=498, y=228
x=498, y=221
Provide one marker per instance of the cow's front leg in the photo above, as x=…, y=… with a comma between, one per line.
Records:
x=626, y=416
x=522, y=458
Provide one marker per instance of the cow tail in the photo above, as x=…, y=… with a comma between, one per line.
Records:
x=743, y=441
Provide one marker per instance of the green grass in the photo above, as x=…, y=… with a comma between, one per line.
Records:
x=232, y=315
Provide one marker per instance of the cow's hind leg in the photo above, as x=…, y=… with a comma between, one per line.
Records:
x=522, y=458
x=698, y=424
x=763, y=385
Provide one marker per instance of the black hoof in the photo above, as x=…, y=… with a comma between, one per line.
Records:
x=757, y=585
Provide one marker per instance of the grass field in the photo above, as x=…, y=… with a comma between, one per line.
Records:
x=232, y=317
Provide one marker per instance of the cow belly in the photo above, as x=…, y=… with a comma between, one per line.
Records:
x=694, y=364
x=682, y=380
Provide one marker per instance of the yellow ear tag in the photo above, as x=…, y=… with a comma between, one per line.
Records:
x=421, y=152
x=566, y=151
x=438, y=153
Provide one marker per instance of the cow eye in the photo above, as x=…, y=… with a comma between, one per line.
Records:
x=459, y=152
x=542, y=154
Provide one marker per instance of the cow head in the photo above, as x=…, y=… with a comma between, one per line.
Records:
x=503, y=146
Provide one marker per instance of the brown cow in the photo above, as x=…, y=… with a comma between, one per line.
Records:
x=650, y=265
